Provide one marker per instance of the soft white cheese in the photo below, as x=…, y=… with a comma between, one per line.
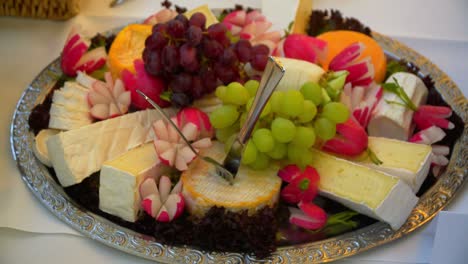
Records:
x=297, y=73
x=363, y=189
x=78, y=153
x=121, y=177
x=70, y=109
x=392, y=120
x=408, y=161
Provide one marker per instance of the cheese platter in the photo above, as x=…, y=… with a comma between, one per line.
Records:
x=87, y=164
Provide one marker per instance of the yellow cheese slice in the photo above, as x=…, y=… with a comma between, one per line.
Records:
x=204, y=9
x=251, y=190
x=120, y=179
x=303, y=11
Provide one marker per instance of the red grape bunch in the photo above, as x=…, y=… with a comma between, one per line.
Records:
x=194, y=60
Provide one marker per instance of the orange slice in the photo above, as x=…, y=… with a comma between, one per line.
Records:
x=339, y=40
x=127, y=47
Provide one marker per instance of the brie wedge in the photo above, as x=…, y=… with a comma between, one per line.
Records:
x=408, y=161
x=363, y=189
x=251, y=190
x=391, y=118
x=70, y=109
x=120, y=179
x=78, y=153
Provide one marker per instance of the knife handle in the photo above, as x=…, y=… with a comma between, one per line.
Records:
x=272, y=75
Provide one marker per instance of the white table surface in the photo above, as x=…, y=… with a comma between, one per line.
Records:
x=29, y=232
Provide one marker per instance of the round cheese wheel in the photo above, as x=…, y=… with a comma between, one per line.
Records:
x=251, y=190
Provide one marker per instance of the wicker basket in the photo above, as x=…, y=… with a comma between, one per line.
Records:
x=46, y=9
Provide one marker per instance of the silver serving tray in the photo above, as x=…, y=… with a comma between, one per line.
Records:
x=52, y=196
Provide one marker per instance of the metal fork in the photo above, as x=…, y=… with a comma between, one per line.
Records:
x=272, y=75
x=221, y=171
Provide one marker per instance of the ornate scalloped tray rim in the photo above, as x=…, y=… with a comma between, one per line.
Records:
x=52, y=196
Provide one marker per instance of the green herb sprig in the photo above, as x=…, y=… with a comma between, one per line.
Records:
x=400, y=92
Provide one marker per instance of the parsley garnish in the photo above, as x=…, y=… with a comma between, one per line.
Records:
x=373, y=157
x=400, y=92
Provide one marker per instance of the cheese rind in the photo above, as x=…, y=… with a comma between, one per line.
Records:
x=78, y=153
x=391, y=118
x=363, y=189
x=121, y=177
x=251, y=190
x=408, y=161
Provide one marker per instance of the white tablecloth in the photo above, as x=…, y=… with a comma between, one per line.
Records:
x=29, y=232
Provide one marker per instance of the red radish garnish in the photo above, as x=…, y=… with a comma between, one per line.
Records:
x=303, y=186
x=302, y=47
x=109, y=99
x=429, y=115
x=363, y=101
x=361, y=71
x=171, y=149
x=436, y=170
x=289, y=172
x=315, y=218
x=252, y=26
x=197, y=117
x=440, y=150
x=351, y=139
x=428, y=136
x=162, y=16
x=149, y=85
x=148, y=187
x=76, y=57
x=159, y=201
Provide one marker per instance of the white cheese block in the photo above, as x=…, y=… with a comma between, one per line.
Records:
x=251, y=190
x=363, y=189
x=70, y=109
x=120, y=179
x=78, y=153
x=393, y=120
x=408, y=161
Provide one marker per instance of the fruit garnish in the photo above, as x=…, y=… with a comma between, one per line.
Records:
x=429, y=115
x=128, y=47
x=193, y=59
x=302, y=187
x=341, y=39
x=310, y=216
x=351, y=139
x=171, y=149
x=76, y=56
x=302, y=47
x=204, y=10
x=150, y=85
x=361, y=70
x=252, y=26
x=159, y=201
x=161, y=16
